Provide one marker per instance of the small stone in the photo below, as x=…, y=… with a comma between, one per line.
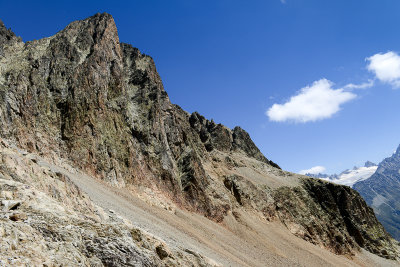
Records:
x=162, y=252
x=136, y=234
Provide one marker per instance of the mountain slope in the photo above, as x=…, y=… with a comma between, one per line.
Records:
x=83, y=96
x=382, y=190
x=46, y=219
x=56, y=223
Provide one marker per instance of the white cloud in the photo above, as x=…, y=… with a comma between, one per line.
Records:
x=368, y=84
x=283, y=1
x=313, y=170
x=386, y=67
x=316, y=102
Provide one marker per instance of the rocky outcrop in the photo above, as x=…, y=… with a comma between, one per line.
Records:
x=7, y=37
x=83, y=96
x=326, y=214
x=369, y=164
x=334, y=216
x=217, y=136
x=45, y=219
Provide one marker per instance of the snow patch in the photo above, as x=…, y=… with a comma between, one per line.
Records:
x=350, y=177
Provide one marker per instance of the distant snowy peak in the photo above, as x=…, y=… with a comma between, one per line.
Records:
x=349, y=177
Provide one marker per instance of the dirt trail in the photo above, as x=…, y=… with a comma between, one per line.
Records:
x=250, y=243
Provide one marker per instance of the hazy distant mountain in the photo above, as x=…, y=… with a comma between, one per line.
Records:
x=382, y=192
x=349, y=177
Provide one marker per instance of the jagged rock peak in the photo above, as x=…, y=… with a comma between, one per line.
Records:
x=97, y=25
x=222, y=138
x=98, y=31
x=6, y=37
x=369, y=164
x=242, y=140
x=5, y=34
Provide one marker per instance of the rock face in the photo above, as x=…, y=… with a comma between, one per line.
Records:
x=330, y=215
x=100, y=103
x=382, y=191
x=333, y=215
x=47, y=220
x=7, y=37
x=84, y=96
x=369, y=164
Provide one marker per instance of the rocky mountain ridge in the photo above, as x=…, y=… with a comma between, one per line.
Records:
x=382, y=190
x=115, y=129
x=83, y=96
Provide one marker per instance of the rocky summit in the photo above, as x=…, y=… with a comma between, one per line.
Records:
x=99, y=168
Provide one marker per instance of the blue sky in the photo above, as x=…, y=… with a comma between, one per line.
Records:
x=232, y=61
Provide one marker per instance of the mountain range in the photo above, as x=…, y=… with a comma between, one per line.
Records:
x=99, y=168
x=349, y=177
